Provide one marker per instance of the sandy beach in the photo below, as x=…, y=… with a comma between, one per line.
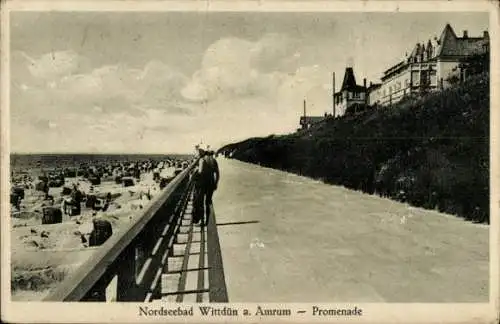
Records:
x=44, y=255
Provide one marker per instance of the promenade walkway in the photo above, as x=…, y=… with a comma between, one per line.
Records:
x=286, y=238
x=279, y=237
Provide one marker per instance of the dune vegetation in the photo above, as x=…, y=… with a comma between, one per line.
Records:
x=430, y=150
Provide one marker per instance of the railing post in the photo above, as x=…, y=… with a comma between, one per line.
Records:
x=127, y=259
x=96, y=294
x=139, y=256
x=126, y=286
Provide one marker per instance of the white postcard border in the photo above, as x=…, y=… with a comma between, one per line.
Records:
x=373, y=313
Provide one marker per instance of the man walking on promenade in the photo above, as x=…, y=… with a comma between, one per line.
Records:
x=206, y=181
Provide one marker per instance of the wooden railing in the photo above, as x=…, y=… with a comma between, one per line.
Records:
x=128, y=266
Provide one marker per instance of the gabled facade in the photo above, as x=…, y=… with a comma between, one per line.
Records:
x=350, y=93
x=429, y=66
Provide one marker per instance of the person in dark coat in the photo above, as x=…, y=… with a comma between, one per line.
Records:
x=207, y=179
x=197, y=192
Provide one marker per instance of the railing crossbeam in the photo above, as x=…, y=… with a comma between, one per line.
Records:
x=134, y=251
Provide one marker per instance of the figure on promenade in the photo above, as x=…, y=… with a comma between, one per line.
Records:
x=206, y=179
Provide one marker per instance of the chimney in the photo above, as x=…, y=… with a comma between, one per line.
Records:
x=486, y=35
x=465, y=34
x=371, y=83
x=364, y=83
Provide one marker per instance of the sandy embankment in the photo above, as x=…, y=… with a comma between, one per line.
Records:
x=43, y=255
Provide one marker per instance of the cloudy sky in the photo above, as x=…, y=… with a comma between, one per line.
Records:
x=163, y=82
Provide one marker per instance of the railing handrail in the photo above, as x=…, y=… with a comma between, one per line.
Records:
x=77, y=285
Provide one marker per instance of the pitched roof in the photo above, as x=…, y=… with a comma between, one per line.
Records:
x=374, y=86
x=349, y=79
x=311, y=119
x=349, y=82
x=451, y=45
x=418, y=50
x=396, y=67
x=448, y=45
x=429, y=44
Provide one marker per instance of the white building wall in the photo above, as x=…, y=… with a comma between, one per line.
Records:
x=375, y=96
x=348, y=99
x=394, y=88
x=353, y=98
x=416, y=69
x=445, y=70
x=341, y=107
x=397, y=86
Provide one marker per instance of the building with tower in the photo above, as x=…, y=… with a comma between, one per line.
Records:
x=430, y=66
x=350, y=95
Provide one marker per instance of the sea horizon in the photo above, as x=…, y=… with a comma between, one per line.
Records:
x=36, y=161
x=97, y=153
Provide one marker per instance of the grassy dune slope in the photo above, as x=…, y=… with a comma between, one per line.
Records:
x=431, y=152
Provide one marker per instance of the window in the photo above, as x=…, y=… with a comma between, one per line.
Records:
x=415, y=76
x=433, y=78
x=424, y=78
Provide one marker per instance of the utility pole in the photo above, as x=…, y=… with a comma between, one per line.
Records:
x=333, y=93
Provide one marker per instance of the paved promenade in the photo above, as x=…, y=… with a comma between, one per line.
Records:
x=286, y=238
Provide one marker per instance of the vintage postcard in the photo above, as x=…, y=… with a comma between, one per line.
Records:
x=250, y=161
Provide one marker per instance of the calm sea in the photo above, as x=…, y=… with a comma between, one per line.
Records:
x=20, y=162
